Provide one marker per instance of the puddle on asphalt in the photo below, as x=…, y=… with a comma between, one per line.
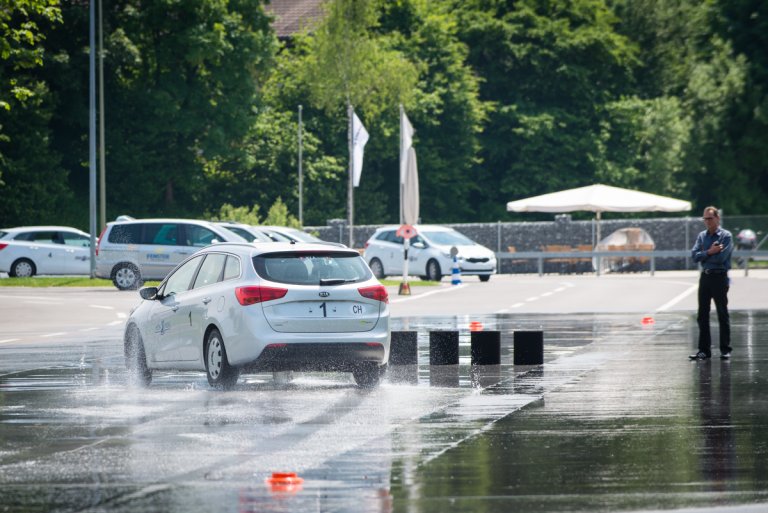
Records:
x=616, y=419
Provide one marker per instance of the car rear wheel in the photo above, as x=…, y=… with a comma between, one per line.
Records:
x=377, y=268
x=220, y=373
x=485, y=277
x=433, y=271
x=22, y=268
x=367, y=374
x=126, y=276
x=139, y=373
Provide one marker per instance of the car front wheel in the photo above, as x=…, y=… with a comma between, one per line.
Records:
x=377, y=268
x=485, y=277
x=22, y=268
x=126, y=277
x=135, y=359
x=217, y=368
x=433, y=271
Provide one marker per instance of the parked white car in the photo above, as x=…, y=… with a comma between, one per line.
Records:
x=429, y=255
x=29, y=250
x=133, y=250
x=244, y=307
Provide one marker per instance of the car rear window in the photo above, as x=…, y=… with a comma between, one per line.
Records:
x=312, y=268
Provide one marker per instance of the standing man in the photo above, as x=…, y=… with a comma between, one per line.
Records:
x=713, y=251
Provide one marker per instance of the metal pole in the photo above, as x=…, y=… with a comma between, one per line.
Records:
x=102, y=165
x=350, y=183
x=92, y=133
x=301, y=175
x=400, y=168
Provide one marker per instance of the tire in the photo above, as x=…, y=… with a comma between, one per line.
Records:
x=126, y=276
x=377, y=268
x=217, y=368
x=367, y=374
x=485, y=277
x=22, y=268
x=139, y=373
x=433, y=271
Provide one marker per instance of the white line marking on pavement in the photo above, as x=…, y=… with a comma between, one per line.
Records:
x=121, y=315
x=57, y=334
x=677, y=299
x=102, y=307
x=114, y=323
x=9, y=340
x=419, y=296
x=534, y=298
x=89, y=329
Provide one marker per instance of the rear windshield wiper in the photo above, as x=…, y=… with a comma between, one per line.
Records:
x=336, y=281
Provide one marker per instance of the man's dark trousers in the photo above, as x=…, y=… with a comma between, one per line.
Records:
x=714, y=286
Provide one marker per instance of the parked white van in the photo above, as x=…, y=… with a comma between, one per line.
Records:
x=131, y=251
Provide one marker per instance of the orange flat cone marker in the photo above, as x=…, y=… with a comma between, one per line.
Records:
x=405, y=289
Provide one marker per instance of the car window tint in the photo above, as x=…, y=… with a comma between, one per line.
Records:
x=165, y=234
x=75, y=239
x=449, y=238
x=181, y=279
x=211, y=271
x=200, y=236
x=46, y=237
x=242, y=233
x=125, y=234
x=308, y=268
x=231, y=268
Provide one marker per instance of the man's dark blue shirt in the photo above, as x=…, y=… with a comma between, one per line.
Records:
x=718, y=261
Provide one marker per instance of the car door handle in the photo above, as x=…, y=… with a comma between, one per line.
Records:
x=206, y=300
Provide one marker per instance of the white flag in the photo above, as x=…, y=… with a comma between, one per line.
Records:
x=359, y=138
x=406, y=141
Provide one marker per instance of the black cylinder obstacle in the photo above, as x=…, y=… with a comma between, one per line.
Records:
x=486, y=347
x=443, y=347
x=529, y=348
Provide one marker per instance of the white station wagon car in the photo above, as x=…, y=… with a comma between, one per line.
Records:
x=29, y=250
x=429, y=255
x=243, y=307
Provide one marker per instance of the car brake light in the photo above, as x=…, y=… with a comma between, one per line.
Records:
x=98, y=242
x=365, y=246
x=377, y=292
x=3, y=245
x=252, y=295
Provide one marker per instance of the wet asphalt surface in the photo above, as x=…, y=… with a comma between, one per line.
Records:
x=616, y=419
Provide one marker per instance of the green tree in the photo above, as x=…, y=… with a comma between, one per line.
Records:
x=548, y=69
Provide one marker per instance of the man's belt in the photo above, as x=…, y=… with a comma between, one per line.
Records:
x=714, y=271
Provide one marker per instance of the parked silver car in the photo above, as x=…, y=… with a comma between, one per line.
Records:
x=29, y=250
x=234, y=308
x=133, y=250
x=429, y=255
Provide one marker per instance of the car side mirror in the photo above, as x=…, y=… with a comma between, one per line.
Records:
x=148, y=293
x=419, y=245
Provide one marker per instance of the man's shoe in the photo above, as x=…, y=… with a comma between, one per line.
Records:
x=725, y=356
x=699, y=356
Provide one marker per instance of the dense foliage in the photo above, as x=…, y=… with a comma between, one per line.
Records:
x=508, y=99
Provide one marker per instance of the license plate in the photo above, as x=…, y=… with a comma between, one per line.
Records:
x=335, y=309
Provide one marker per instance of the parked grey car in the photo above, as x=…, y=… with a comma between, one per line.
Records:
x=133, y=250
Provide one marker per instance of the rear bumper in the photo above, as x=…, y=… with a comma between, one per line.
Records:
x=317, y=357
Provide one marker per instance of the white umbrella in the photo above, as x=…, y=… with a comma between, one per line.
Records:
x=599, y=198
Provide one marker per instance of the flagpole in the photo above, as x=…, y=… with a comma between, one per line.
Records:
x=399, y=166
x=350, y=186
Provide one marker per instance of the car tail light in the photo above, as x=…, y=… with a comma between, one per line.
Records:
x=252, y=295
x=377, y=292
x=3, y=245
x=365, y=246
x=98, y=242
